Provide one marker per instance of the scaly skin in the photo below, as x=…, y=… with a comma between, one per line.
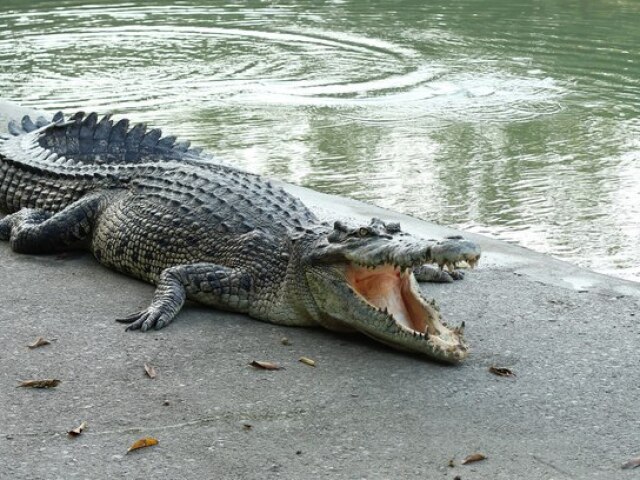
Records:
x=161, y=212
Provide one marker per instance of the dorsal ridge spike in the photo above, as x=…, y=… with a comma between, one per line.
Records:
x=58, y=117
x=91, y=119
x=27, y=124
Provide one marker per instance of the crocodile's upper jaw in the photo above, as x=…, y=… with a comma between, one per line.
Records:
x=384, y=302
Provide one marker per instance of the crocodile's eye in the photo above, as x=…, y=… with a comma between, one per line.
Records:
x=363, y=232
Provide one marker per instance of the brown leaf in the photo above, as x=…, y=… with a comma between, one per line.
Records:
x=143, y=443
x=40, y=341
x=501, y=371
x=633, y=463
x=78, y=430
x=474, y=457
x=308, y=361
x=47, y=383
x=151, y=372
x=265, y=365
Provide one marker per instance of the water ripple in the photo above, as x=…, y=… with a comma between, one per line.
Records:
x=518, y=120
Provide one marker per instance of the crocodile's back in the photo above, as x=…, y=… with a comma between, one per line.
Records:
x=179, y=214
x=52, y=166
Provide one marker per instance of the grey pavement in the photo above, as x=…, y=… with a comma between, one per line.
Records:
x=363, y=412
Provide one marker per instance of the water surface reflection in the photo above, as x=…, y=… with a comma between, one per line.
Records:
x=515, y=119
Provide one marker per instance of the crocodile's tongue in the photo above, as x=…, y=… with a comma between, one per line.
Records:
x=388, y=289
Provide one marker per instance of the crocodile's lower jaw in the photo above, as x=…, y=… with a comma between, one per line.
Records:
x=392, y=291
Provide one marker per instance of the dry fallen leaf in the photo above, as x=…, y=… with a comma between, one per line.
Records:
x=501, y=371
x=308, y=361
x=78, y=430
x=265, y=365
x=151, y=372
x=47, y=383
x=633, y=463
x=40, y=341
x=474, y=457
x=143, y=443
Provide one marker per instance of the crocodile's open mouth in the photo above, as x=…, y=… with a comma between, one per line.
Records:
x=393, y=292
x=387, y=288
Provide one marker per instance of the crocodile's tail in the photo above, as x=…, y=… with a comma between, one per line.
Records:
x=27, y=125
x=49, y=164
x=87, y=140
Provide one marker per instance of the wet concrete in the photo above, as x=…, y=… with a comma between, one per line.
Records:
x=364, y=411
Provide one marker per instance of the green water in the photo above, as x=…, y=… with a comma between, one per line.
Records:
x=517, y=119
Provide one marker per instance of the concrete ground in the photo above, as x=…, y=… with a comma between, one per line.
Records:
x=363, y=412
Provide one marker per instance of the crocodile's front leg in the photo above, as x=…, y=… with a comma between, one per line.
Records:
x=38, y=231
x=212, y=284
x=428, y=273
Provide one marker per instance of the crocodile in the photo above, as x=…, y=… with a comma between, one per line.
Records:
x=157, y=209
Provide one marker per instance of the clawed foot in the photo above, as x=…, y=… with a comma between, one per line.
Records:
x=146, y=319
x=167, y=302
x=26, y=216
x=8, y=223
x=456, y=274
x=427, y=273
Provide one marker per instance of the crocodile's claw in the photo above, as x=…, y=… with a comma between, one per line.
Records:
x=456, y=274
x=146, y=319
